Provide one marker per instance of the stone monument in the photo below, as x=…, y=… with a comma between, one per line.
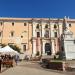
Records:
x=69, y=45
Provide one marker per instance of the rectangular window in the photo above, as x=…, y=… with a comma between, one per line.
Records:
x=38, y=34
x=38, y=26
x=25, y=24
x=24, y=47
x=55, y=33
x=1, y=23
x=0, y=34
x=12, y=34
x=69, y=25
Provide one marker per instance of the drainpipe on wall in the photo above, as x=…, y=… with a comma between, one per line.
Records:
x=28, y=36
x=32, y=34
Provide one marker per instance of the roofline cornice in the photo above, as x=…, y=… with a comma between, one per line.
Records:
x=35, y=19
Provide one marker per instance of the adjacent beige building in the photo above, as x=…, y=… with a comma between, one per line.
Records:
x=16, y=31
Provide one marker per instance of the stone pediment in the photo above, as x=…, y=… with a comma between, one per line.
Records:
x=68, y=35
x=68, y=32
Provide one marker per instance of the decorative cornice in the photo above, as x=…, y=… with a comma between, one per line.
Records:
x=55, y=20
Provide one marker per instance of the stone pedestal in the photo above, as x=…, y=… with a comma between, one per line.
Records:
x=69, y=45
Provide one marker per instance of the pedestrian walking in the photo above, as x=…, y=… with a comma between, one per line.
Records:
x=16, y=59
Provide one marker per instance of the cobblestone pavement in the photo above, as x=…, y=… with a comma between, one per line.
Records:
x=32, y=68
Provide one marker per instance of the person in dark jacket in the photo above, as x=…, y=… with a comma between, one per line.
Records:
x=16, y=57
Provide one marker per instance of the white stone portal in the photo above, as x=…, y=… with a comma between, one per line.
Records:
x=47, y=35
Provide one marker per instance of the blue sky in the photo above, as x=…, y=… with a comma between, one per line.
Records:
x=37, y=8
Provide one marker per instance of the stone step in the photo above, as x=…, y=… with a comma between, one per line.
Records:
x=48, y=57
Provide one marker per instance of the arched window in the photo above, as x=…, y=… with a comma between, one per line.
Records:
x=46, y=34
x=69, y=25
x=46, y=26
x=12, y=33
x=38, y=26
x=48, y=48
x=55, y=26
x=12, y=23
x=38, y=34
x=55, y=34
x=25, y=24
x=24, y=47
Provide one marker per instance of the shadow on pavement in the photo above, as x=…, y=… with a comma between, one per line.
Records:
x=37, y=65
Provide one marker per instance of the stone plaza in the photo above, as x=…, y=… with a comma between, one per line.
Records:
x=32, y=68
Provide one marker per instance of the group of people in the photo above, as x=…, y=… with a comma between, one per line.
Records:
x=6, y=57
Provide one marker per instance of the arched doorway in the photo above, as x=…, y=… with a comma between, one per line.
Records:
x=48, y=48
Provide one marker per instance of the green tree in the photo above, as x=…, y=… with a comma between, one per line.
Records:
x=16, y=48
x=3, y=45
